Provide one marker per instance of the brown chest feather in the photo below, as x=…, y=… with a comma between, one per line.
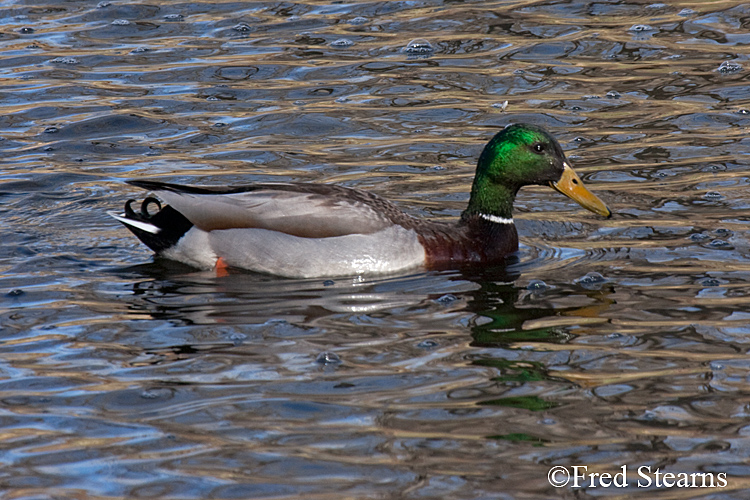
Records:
x=470, y=243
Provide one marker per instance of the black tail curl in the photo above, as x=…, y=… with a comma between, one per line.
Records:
x=144, y=215
x=172, y=224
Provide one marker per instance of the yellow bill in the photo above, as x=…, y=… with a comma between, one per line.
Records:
x=572, y=186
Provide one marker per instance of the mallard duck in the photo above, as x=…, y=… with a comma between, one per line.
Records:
x=298, y=229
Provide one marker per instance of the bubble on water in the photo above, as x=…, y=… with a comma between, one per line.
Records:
x=15, y=293
x=418, y=46
x=65, y=60
x=242, y=28
x=26, y=30
x=519, y=72
x=743, y=111
x=120, y=22
x=51, y=130
x=714, y=168
x=328, y=358
x=174, y=17
x=237, y=336
x=591, y=281
x=102, y=5
x=427, y=344
x=709, y=282
x=719, y=244
x=155, y=393
x=613, y=94
x=724, y=232
x=446, y=299
x=139, y=50
x=502, y=105
x=699, y=237
x=342, y=42
x=358, y=20
x=33, y=46
x=329, y=283
x=729, y=67
x=593, y=277
x=212, y=98
x=537, y=286
x=641, y=27
x=713, y=195
x=649, y=415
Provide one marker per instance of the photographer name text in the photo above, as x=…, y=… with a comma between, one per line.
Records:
x=578, y=476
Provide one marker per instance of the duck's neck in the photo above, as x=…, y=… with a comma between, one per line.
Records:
x=491, y=201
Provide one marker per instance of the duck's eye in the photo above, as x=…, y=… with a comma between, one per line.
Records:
x=538, y=147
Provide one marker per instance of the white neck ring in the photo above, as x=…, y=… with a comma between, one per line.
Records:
x=496, y=219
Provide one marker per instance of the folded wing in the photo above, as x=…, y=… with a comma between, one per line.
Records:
x=305, y=210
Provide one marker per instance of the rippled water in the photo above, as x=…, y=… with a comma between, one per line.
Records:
x=608, y=343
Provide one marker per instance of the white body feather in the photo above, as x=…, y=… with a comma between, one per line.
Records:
x=389, y=250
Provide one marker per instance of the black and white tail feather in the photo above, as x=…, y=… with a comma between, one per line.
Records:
x=159, y=231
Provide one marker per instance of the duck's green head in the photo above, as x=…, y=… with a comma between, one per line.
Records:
x=520, y=155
